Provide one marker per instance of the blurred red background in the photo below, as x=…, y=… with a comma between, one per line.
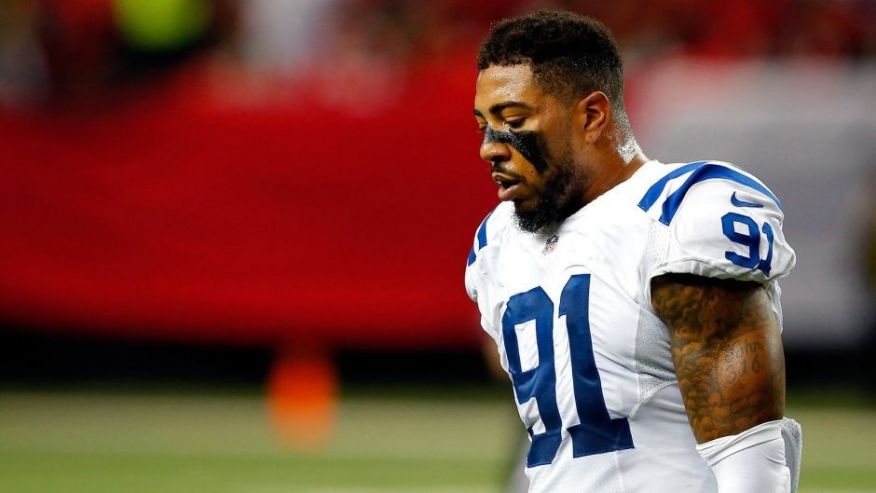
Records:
x=207, y=182
x=175, y=217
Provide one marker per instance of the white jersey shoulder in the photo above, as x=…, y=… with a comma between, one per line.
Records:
x=719, y=221
x=484, y=252
x=490, y=232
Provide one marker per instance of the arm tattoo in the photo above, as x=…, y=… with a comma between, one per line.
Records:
x=727, y=352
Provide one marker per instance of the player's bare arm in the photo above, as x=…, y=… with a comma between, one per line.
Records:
x=727, y=352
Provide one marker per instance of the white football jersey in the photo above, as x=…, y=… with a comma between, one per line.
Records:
x=570, y=312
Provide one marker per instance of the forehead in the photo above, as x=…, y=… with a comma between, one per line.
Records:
x=502, y=83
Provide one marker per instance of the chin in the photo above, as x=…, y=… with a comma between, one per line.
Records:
x=542, y=215
x=533, y=219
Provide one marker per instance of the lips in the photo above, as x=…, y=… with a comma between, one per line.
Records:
x=509, y=185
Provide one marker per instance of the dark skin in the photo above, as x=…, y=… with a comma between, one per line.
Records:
x=727, y=351
x=580, y=130
x=725, y=337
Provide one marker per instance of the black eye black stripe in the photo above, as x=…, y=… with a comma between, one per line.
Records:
x=527, y=143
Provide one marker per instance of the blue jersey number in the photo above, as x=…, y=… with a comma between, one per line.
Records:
x=751, y=239
x=597, y=432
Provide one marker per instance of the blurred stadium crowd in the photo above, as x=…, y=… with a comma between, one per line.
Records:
x=62, y=52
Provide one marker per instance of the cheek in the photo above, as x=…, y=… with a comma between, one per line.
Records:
x=531, y=145
x=533, y=177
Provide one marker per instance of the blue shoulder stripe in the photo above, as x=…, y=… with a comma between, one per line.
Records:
x=656, y=189
x=701, y=172
x=482, y=232
x=471, y=256
x=482, y=239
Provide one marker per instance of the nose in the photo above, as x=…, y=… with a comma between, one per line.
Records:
x=493, y=151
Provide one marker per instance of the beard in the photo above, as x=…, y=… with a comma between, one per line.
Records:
x=556, y=202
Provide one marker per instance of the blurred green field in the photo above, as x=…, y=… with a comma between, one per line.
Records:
x=222, y=442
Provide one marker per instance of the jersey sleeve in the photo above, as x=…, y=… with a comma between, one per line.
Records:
x=471, y=269
x=480, y=241
x=720, y=222
x=481, y=269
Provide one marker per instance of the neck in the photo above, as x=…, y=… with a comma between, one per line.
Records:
x=617, y=169
x=629, y=150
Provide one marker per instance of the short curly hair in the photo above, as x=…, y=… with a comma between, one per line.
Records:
x=570, y=55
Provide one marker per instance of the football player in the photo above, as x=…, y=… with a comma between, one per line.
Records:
x=634, y=304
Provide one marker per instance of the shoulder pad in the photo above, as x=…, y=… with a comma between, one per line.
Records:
x=718, y=221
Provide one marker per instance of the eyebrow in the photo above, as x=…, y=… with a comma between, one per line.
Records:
x=499, y=107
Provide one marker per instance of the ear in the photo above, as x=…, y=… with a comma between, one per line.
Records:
x=592, y=115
